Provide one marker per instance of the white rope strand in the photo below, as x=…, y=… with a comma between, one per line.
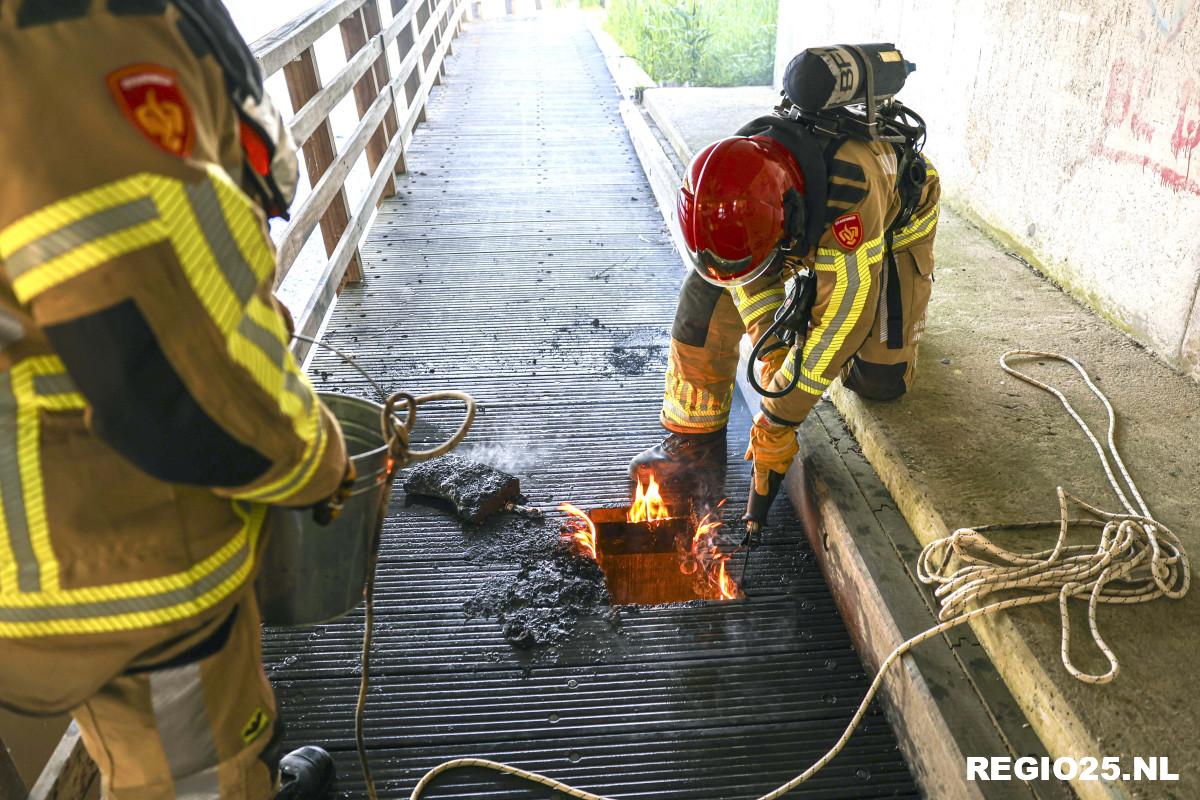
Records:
x=1137, y=559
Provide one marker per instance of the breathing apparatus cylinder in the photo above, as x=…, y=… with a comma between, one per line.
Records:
x=821, y=78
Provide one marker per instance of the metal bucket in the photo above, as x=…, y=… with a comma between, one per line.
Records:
x=312, y=573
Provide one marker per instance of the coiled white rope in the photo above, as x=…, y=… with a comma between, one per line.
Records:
x=1137, y=559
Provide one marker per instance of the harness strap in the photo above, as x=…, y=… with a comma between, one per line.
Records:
x=895, y=308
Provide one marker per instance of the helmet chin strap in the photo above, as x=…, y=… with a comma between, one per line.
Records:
x=794, y=219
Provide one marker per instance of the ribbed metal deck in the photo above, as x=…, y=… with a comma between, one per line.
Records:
x=523, y=260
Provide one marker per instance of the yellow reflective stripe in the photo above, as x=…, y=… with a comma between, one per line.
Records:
x=916, y=229
x=673, y=414
x=750, y=308
x=199, y=265
x=695, y=397
x=852, y=286
x=262, y=341
x=245, y=225
x=808, y=382
x=30, y=461
x=138, y=604
x=691, y=406
x=694, y=413
x=27, y=560
x=46, y=221
x=79, y=260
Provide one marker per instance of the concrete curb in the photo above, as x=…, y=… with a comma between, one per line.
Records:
x=662, y=174
x=665, y=124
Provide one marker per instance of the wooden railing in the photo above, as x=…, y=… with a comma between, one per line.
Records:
x=390, y=107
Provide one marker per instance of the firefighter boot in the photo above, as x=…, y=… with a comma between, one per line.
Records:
x=686, y=465
x=306, y=774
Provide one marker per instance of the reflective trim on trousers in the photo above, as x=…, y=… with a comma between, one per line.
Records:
x=181, y=716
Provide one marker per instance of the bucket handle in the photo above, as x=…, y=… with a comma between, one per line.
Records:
x=397, y=432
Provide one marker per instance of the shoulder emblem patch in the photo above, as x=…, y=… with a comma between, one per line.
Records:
x=848, y=230
x=150, y=97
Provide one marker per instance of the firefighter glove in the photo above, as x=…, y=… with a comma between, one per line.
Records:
x=772, y=448
x=330, y=508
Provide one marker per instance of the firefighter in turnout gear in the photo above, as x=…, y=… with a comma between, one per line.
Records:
x=850, y=218
x=150, y=409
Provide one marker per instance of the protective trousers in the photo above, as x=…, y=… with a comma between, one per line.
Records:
x=201, y=726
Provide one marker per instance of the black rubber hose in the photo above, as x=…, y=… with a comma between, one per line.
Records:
x=761, y=349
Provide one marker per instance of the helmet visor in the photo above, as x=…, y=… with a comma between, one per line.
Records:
x=728, y=273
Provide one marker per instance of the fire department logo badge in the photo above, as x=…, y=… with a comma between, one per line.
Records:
x=149, y=96
x=848, y=230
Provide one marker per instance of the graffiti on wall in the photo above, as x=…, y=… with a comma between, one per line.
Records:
x=1129, y=134
x=1169, y=28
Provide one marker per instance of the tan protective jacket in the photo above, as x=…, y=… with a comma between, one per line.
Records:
x=149, y=406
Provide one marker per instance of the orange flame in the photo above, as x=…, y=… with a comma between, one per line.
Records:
x=648, y=504
x=706, y=531
x=583, y=532
x=728, y=589
x=707, y=554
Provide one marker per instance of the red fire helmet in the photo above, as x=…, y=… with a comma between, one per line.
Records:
x=731, y=207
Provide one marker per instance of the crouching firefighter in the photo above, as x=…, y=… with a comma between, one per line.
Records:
x=812, y=231
x=150, y=409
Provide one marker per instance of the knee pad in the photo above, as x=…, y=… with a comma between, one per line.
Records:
x=875, y=381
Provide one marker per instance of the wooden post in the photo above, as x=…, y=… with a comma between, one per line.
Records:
x=406, y=41
x=508, y=6
x=434, y=41
x=356, y=32
x=304, y=81
x=383, y=71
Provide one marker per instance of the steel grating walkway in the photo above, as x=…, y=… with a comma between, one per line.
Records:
x=524, y=260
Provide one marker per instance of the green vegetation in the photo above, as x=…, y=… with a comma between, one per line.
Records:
x=698, y=42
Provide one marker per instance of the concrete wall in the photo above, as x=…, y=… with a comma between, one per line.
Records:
x=1068, y=127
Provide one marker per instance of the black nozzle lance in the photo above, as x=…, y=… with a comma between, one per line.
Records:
x=758, y=505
